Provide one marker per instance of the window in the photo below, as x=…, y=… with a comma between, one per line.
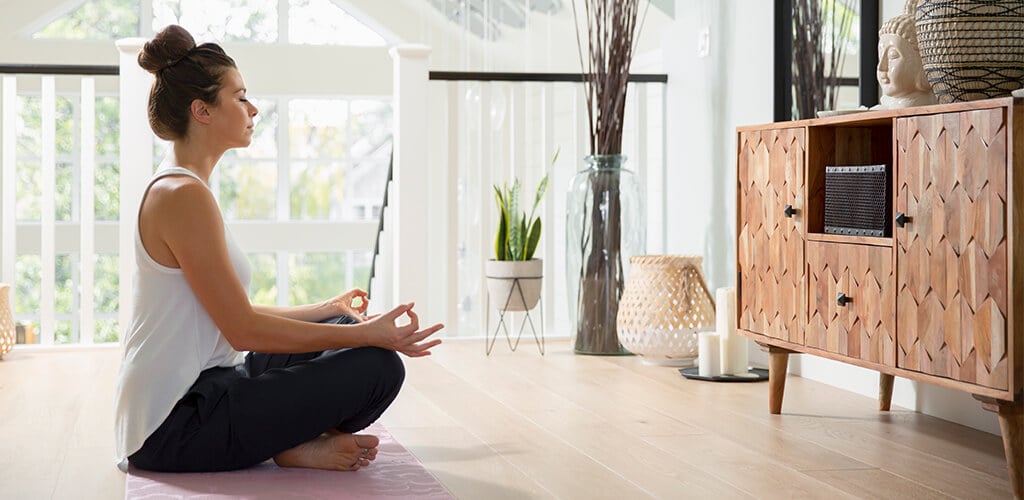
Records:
x=339, y=154
x=311, y=159
x=96, y=19
x=223, y=21
x=246, y=179
x=318, y=276
x=321, y=22
x=309, y=22
x=263, y=288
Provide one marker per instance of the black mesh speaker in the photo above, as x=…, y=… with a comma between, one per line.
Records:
x=857, y=200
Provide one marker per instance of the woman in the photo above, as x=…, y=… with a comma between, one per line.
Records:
x=187, y=399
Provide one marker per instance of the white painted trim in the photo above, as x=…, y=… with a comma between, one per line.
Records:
x=146, y=18
x=303, y=237
x=67, y=238
x=48, y=217
x=283, y=35
x=8, y=178
x=87, y=214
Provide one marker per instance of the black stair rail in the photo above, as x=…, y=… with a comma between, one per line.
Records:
x=380, y=225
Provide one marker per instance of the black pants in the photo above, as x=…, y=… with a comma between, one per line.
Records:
x=237, y=417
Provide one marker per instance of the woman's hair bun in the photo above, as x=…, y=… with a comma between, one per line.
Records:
x=168, y=47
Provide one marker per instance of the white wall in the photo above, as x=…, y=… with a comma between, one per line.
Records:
x=708, y=98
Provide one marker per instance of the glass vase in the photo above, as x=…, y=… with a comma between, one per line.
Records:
x=605, y=226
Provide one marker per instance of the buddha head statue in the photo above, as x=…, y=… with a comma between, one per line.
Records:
x=900, y=72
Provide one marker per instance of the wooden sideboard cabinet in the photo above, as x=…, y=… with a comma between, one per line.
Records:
x=938, y=298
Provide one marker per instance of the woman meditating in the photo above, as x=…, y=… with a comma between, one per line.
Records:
x=188, y=399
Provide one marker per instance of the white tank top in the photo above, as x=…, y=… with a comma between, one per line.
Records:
x=171, y=340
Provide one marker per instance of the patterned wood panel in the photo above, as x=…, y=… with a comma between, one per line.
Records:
x=864, y=328
x=770, y=246
x=951, y=256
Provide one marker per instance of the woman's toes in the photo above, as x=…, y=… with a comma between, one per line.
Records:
x=366, y=440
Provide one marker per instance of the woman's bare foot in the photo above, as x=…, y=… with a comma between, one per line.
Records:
x=331, y=452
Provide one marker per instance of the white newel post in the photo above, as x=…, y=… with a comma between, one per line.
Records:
x=136, y=161
x=412, y=205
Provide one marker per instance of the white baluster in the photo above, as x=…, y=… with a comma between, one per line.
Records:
x=8, y=178
x=48, y=227
x=87, y=214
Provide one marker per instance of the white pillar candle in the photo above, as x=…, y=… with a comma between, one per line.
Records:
x=708, y=357
x=734, y=347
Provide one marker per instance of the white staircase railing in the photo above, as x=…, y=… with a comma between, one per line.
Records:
x=486, y=128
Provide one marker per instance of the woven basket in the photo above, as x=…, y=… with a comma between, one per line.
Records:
x=663, y=307
x=6, y=321
x=971, y=49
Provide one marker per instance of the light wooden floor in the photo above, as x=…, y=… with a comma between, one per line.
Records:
x=518, y=425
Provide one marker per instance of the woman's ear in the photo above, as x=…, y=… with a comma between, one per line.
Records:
x=200, y=111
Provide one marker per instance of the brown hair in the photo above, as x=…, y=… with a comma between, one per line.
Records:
x=184, y=72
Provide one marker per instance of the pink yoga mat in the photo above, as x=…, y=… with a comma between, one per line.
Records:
x=394, y=474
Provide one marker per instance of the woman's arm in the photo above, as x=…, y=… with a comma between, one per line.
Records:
x=312, y=313
x=344, y=304
x=184, y=217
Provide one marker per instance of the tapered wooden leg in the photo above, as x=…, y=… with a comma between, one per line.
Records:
x=778, y=362
x=1011, y=424
x=885, y=391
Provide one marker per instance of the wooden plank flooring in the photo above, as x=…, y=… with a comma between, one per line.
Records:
x=522, y=425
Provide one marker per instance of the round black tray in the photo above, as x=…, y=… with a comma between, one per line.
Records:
x=762, y=374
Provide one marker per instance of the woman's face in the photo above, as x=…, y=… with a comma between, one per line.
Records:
x=232, y=118
x=899, y=67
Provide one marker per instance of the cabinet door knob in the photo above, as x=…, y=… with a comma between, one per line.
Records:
x=842, y=299
x=901, y=219
x=789, y=211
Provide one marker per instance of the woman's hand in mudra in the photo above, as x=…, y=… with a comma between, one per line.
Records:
x=407, y=339
x=352, y=303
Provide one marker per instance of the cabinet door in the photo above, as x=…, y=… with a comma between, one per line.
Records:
x=860, y=323
x=951, y=254
x=770, y=245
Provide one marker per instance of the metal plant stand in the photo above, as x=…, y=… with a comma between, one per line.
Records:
x=503, y=326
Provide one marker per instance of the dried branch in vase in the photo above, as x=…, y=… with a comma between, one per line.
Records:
x=815, y=84
x=611, y=29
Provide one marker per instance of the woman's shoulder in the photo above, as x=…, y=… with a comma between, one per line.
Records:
x=180, y=193
x=178, y=185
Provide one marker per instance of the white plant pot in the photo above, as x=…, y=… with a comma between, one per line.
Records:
x=507, y=278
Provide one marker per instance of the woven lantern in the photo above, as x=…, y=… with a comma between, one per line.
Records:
x=665, y=304
x=6, y=321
